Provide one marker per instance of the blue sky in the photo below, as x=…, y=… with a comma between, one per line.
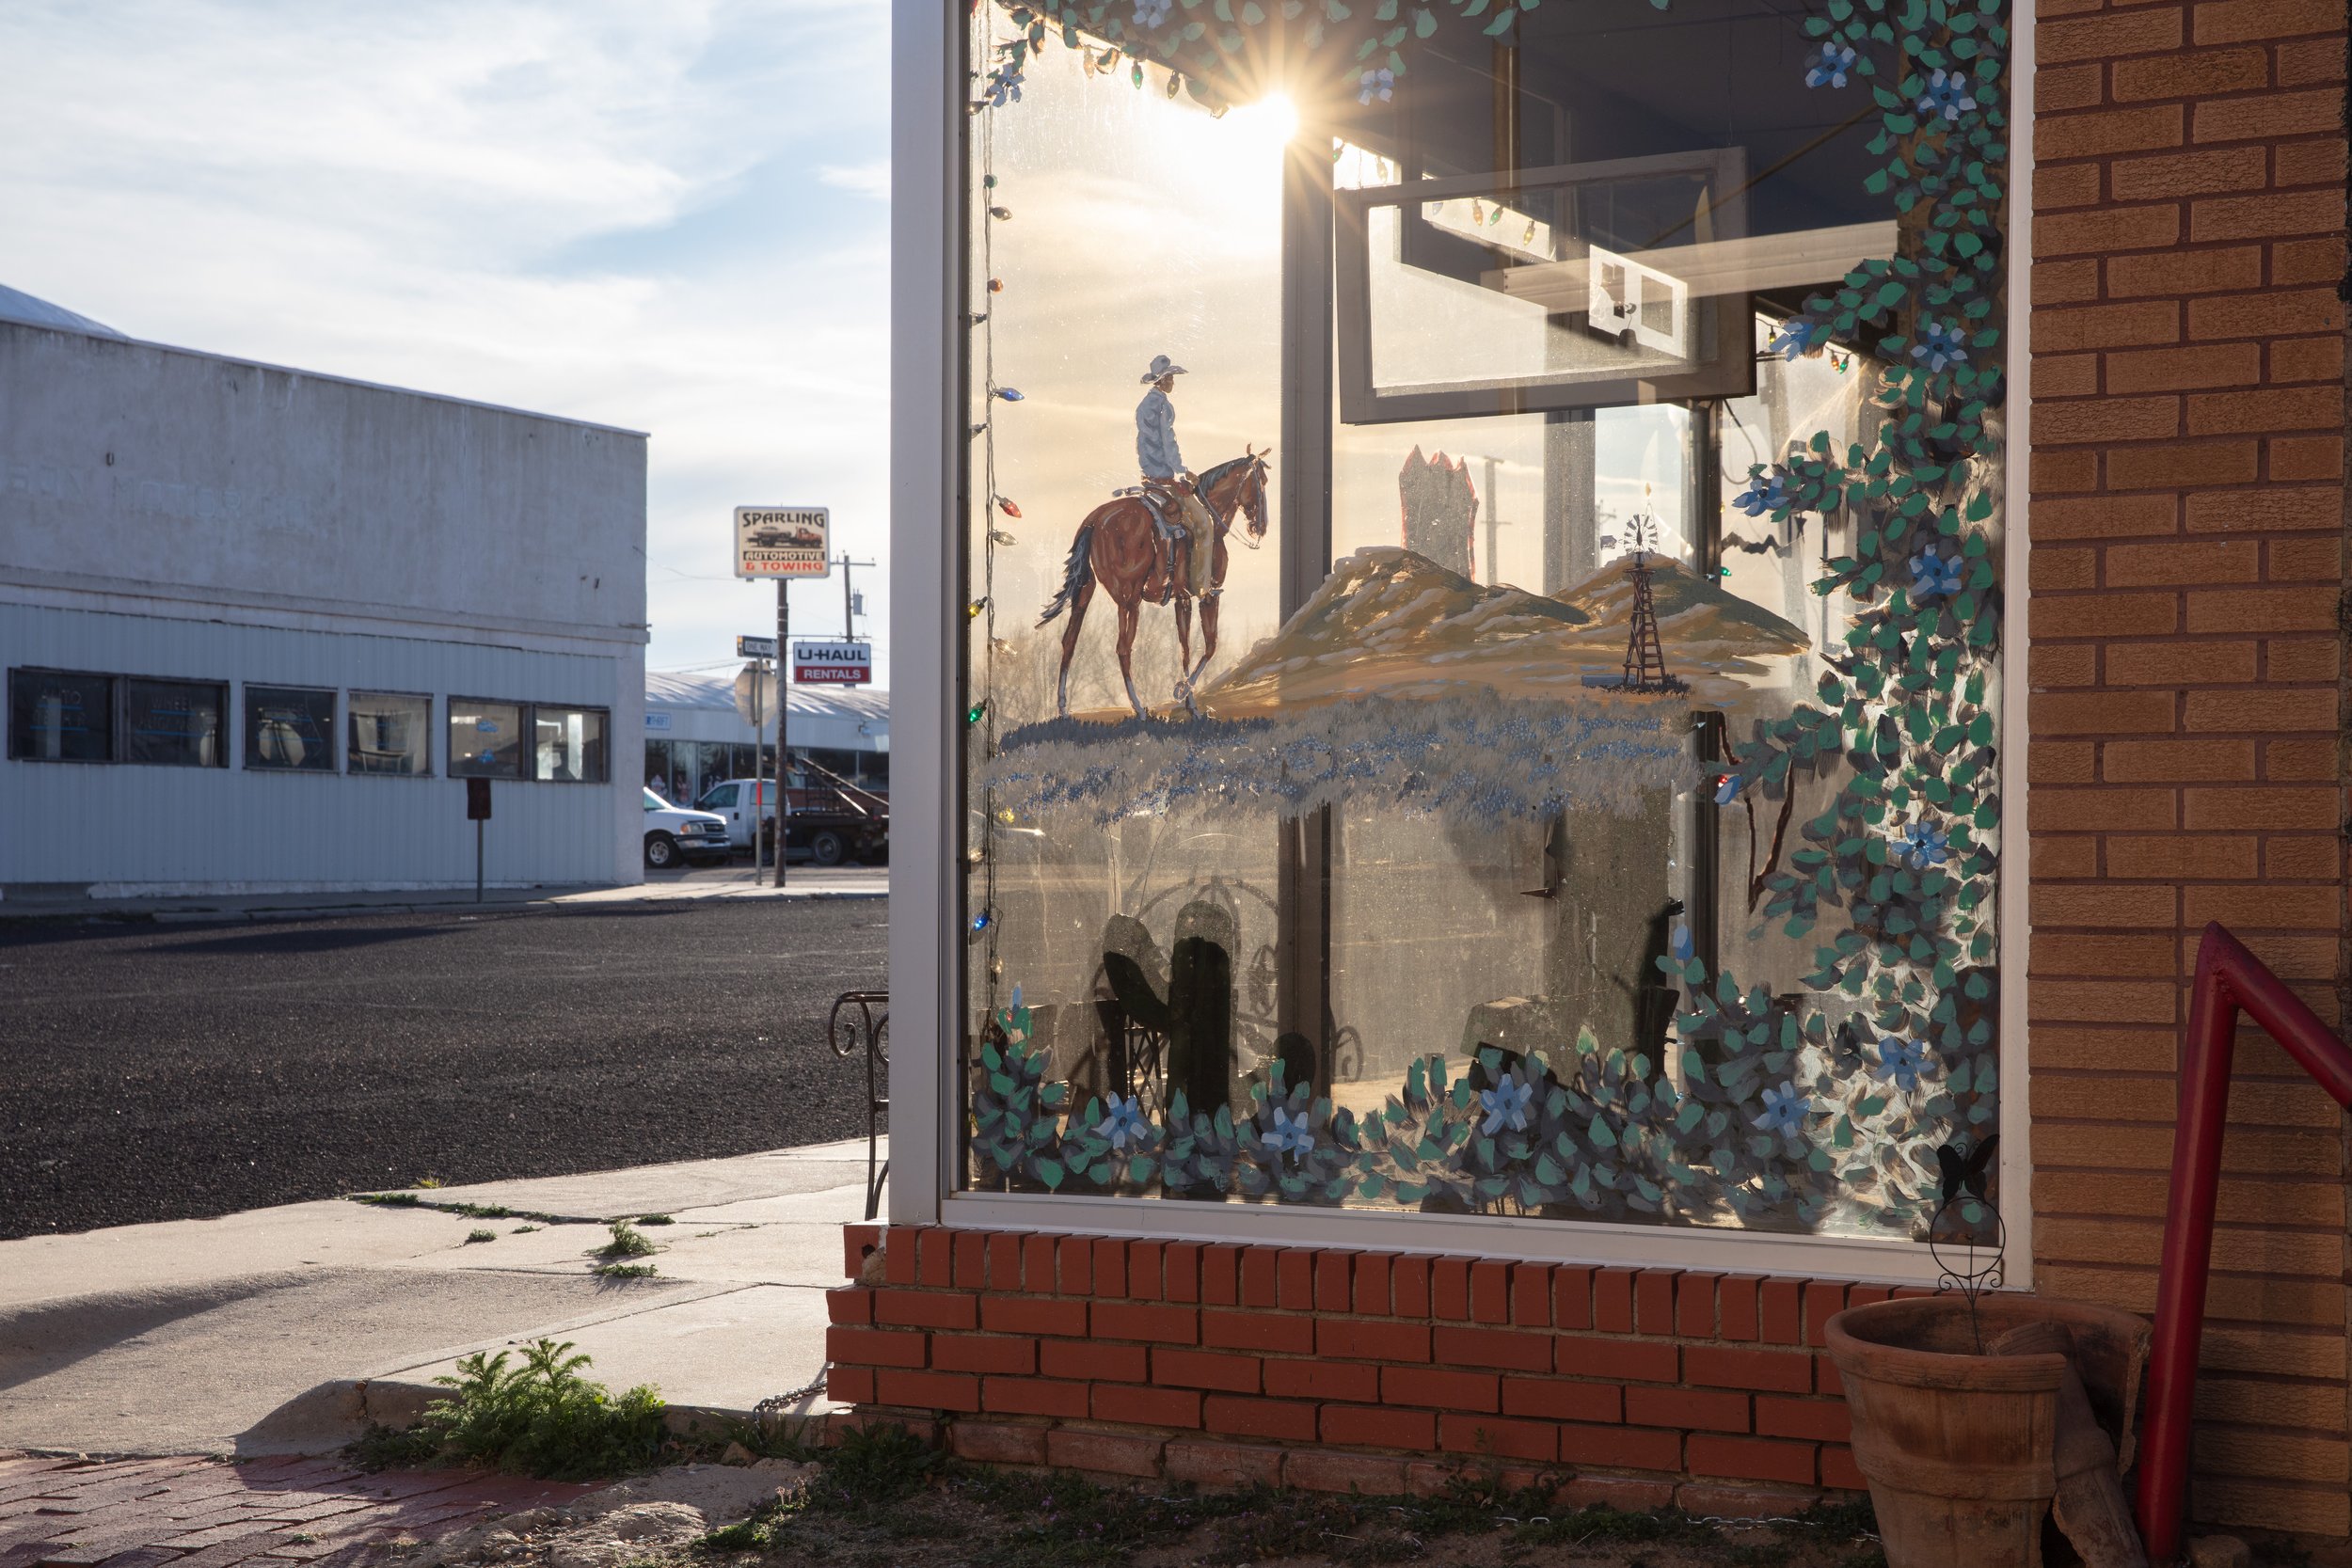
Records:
x=671, y=216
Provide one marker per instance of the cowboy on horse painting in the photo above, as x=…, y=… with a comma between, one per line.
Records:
x=1164, y=480
x=1161, y=543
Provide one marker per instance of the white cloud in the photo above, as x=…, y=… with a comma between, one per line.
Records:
x=867, y=178
x=595, y=208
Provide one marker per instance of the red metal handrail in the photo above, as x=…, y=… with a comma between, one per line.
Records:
x=2230, y=979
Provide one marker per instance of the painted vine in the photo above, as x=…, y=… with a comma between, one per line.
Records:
x=1770, y=1119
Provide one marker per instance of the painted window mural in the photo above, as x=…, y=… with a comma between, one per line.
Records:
x=1482, y=655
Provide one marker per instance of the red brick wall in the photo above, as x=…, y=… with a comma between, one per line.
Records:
x=2187, y=532
x=1331, y=1369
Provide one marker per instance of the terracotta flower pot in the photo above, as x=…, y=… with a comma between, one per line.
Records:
x=1959, y=1448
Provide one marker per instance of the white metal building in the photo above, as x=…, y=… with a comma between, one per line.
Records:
x=695, y=736
x=260, y=626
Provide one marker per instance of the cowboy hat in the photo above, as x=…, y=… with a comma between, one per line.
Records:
x=1162, y=365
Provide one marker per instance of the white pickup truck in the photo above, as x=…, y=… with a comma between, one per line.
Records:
x=673, y=833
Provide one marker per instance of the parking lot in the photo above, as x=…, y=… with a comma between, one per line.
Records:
x=188, y=1069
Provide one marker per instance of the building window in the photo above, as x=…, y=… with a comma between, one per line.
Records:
x=173, y=723
x=391, y=734
x=61, y=716
x=289, y=728
x=485, y=739
x=1586, y=804
x=571, y=746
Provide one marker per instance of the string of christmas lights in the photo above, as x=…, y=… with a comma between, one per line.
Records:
x=980, y=717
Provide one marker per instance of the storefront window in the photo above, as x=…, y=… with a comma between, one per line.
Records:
x=571, y=745
x=173, y=723
x=485, y=739
x=61, y=716
x=1584, y=806
x=289, y=729
x=392, y=733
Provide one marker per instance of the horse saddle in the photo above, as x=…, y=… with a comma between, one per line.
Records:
x=1161, y=504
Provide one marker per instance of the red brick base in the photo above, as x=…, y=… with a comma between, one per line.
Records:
x=1340, y=1370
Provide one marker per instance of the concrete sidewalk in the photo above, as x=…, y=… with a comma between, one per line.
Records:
x=732, y=883
x=285, y=1330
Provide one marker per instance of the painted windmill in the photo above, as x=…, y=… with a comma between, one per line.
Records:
x=1644, y=655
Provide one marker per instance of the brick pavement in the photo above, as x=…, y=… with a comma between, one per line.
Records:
x=192, y=1512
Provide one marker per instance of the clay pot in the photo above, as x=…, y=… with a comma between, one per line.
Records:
x=1959, y=1448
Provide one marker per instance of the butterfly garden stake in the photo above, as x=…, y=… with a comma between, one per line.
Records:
x=1958, y=1225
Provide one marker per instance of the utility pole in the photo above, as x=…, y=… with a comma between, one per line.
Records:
x=849, y=600
x=784, y=717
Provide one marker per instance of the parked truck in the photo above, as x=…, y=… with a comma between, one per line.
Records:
x=830, y=820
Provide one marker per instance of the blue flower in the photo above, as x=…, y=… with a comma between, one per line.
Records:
x=1124, y=1122
x=1506, y=1106
x=1922, y=845
x=1007, y=88
x=1150, y=13
x=1016, y=997
x=1767, y=492
x=1380, y=84
x=1902, y=1061
x=1932, y=575
x=1796, y=338
x=1829, y=65
x=1727, y=788
x=1785, y=1111
x=1680, y=944
x=1291, y=1135
x=1946, y=97
x=1939, y=345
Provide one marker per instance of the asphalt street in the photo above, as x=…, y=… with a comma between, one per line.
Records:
x=158, y=1071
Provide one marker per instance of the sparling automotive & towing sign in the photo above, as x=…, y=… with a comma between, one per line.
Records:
x=783, y=541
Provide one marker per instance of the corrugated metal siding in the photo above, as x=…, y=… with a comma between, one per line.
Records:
x=63, y=822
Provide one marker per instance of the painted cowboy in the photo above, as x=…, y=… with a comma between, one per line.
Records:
x=1167, y=485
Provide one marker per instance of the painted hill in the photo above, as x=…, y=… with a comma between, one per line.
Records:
x=1389, y=623
x=1691, y=610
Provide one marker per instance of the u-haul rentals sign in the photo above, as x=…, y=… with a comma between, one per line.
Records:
x=832, y=663
x=783, y=541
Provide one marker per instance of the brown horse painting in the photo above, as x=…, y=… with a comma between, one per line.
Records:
x=1118, y=548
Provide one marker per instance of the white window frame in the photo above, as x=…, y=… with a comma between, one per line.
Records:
x=927, y=362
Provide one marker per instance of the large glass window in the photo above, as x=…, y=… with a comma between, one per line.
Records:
x=61, y=716
x=392, y=733
x=485, y=739
x=289, y=728
x=173, y=723
x=1585, y=806
x=571, y=744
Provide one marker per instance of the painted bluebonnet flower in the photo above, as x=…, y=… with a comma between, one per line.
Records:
x=1728, y=790
x=1124, y=1122
x=1922, y=845
x=1796, y=338
x=1932, y=575
x=1380, y=84
x=1902, y=1061
x=1829, y=65
x=1680, y=944
x=1767, y=493
x=1785, y=1111
x=1946, y=97
x=1291, y=1135
x=1008, y=89
x=1150, y=13
x=1506, y=1106
x=1016, y=996
x=1939, y=345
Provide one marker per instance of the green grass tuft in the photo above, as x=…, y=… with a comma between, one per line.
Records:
x=540, y=1418
x=627, y=1241
x=473, y=1236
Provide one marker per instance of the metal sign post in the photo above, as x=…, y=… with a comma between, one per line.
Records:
x=783, y=543
x=784, y=718
x=477, y=812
